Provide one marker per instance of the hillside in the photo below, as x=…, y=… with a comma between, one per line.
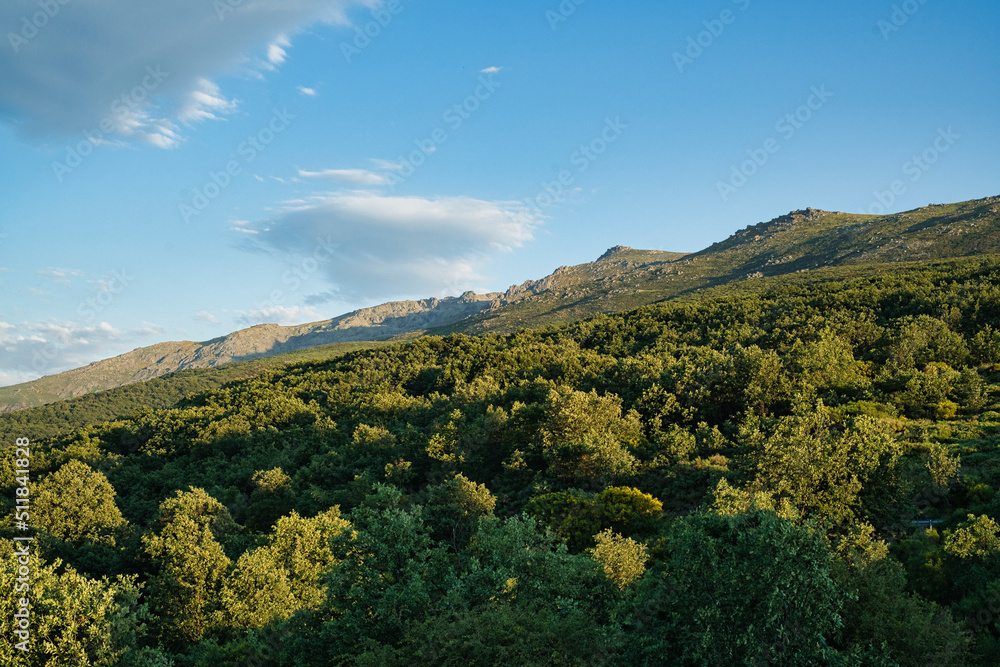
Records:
x=729, y=479
x=63, y=416
x=801, y=241
x=621, y=279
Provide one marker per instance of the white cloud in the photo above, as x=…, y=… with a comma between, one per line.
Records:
x=276, y=53
x=349, y=176
x=140, y=68
x=308, y=92
x=204, y=103
x=387, y=165
x=490, y=70
x=9, y=377
x=33, y=349
x=376, y=247
x=60, y=276
x=286, y=315
x=205, y=316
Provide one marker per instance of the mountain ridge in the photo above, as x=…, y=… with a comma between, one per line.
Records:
x=620, y=279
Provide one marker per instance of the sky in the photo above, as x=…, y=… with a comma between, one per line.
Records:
x=181, y=170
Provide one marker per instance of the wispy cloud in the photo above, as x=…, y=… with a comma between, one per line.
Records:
x=308, y=92
x=60, y=276
x=386, y=165
x=33, y=349
x=285, y=315
x=205, y=316
x=276, y=51
x=349, y=176
x=490, y=70
x=205, y=102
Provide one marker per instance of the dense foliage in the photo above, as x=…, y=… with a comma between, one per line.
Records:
x=731, y=479
x=58, y=418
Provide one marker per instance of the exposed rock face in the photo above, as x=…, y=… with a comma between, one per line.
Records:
x=611, y=252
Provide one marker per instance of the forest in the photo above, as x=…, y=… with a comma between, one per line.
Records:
x=783, y=471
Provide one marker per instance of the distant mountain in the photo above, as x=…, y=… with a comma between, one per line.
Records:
x=368, y=324
x=620, y=279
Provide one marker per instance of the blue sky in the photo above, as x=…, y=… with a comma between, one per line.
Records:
x=179, y=171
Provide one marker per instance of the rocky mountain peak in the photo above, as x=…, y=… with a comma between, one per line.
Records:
x=612, y=252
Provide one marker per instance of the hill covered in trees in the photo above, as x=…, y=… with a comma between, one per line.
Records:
x=736, y=477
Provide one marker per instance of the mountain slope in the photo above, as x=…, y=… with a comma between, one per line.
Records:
x=804, y=240
x=368, y=324
x=621, y=279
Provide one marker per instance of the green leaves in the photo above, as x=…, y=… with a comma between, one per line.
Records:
x=977, y=538
x=77, y=504
x=74, y=620
x=586, y=436
x=821, y=468
x=191, y=564
x=622, y=558
x=752, y=589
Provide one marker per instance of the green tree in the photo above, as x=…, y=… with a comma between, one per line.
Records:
x=191, y=565
x=978, y=538
x=73, y=620
x=453, y=508
x=879, y=611
x=271, y=498
x=628, y=509
x=77, y=504
x=388, y=576
x=750, y=589
x=623, y=559
x=827, y=362
x=585, y=435
x=256, y=592
x=824, y=470
x=301, y=547
x=573, y=515
x=924, y=339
